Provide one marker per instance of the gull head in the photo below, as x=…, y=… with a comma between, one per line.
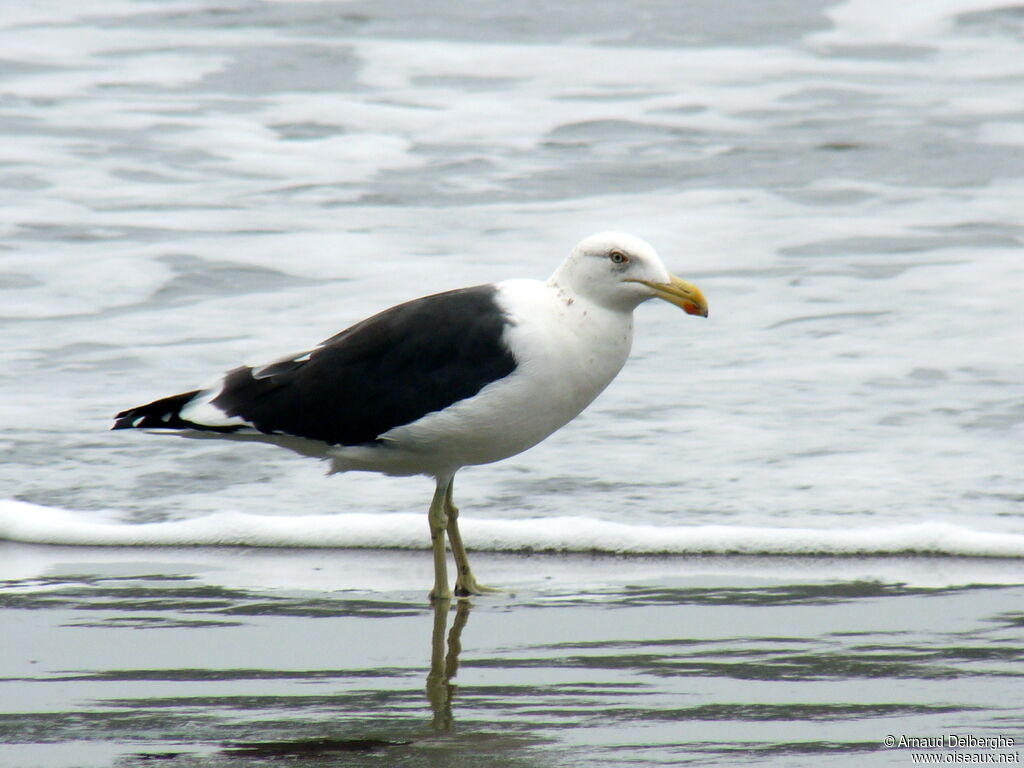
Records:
x=620, y=271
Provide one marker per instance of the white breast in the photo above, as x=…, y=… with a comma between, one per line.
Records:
x=568, y=348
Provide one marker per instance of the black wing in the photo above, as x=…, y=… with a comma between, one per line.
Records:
x=391, y=369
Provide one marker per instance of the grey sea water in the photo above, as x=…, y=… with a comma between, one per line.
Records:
x=189, y=186
x=186, y=185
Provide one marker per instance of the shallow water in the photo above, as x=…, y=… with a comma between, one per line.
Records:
x=187, y=185
x=130, y=656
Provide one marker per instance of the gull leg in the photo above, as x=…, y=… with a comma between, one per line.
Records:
x=465, y=582
x=438, y=518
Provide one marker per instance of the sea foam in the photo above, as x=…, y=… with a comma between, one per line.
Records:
x=30, y=523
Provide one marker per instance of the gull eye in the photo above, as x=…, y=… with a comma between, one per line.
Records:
x=618, y=257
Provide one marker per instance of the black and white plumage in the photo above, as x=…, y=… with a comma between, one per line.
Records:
x=469, y=376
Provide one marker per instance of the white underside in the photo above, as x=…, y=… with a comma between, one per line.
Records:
x=568, y=350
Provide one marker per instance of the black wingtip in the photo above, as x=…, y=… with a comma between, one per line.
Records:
x=121, y=421
x=160, y=414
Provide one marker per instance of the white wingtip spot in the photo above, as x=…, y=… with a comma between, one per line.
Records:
x=138, y=420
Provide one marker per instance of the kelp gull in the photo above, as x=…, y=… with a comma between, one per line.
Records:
x=464, y=377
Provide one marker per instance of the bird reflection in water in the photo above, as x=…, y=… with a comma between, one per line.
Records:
x=444, y=661
x=444, y=664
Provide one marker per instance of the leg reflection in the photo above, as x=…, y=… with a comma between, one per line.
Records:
x=444, y=661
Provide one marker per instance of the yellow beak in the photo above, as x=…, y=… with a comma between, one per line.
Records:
x=681, y=293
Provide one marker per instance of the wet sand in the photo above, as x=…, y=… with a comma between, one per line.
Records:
x=229, y=657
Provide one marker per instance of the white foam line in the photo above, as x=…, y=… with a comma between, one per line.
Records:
x=31, y=523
